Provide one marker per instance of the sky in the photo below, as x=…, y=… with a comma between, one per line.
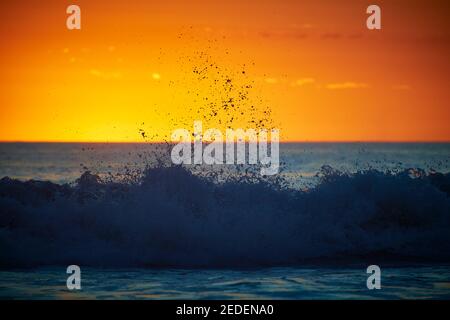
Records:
x=139, y=69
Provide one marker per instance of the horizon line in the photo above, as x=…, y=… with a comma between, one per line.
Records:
x=170, y=142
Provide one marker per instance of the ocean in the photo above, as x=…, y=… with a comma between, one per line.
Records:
x=431, y=282
x=140, y=228
x=65, y=162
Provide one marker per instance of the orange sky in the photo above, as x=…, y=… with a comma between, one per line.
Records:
x=314, y=64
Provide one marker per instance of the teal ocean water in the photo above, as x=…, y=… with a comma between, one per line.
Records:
x=269, y=283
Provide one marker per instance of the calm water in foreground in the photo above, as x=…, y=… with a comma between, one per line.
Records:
x=274, y=283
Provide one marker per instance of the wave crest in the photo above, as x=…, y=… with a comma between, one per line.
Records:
x=172, y=217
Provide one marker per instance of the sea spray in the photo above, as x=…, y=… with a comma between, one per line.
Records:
x=172, y=217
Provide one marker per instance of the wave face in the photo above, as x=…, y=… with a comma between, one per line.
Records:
x=171, y=217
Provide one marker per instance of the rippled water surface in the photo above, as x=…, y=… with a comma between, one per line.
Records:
x=273, y=283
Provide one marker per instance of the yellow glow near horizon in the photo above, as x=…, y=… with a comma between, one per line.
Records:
x=131, y=69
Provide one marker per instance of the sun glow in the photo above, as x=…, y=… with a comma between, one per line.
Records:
x=318, y=74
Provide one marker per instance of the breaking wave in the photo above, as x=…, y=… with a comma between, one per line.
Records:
x=172, y=217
